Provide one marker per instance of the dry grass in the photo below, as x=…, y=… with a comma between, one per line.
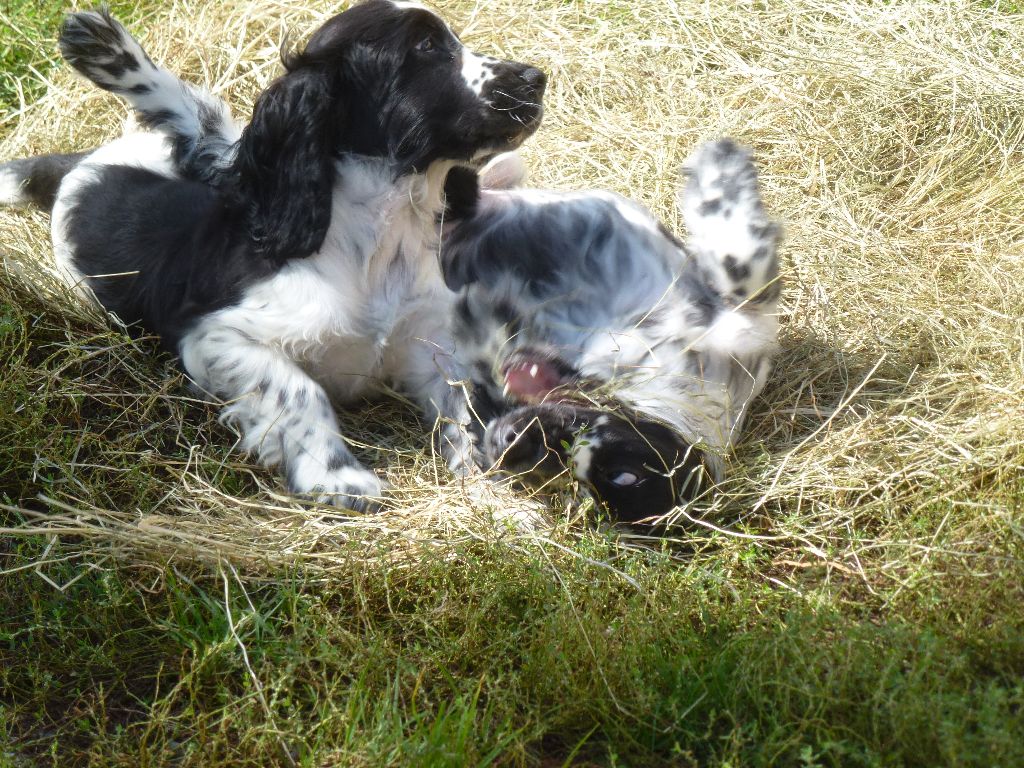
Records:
x=891, y=142
x=853, y=595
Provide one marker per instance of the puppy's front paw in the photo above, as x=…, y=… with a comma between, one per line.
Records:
x=352, y=488
x=349, y=487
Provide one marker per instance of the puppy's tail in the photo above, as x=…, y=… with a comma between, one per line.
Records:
x=35, y=180
x=200, y=125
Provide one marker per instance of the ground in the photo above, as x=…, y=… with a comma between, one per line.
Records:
x=853, y=597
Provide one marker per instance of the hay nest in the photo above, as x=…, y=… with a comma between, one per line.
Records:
x=890, y=139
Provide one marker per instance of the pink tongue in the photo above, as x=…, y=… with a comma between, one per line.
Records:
x=531, y=380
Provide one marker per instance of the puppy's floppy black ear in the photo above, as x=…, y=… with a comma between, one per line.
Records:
x=285, y=165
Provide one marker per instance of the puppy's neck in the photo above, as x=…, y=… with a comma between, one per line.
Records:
x=380, y=221
x=369, y=183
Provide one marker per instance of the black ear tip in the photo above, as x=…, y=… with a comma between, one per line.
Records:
x=462, y=193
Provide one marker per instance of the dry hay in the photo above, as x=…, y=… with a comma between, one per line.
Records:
x=891, y=142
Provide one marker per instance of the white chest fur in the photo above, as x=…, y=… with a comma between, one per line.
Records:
x=373, y=290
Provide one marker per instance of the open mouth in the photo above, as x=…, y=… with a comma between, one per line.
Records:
x=532, y=377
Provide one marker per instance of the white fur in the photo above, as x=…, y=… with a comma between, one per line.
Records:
x=193, y=111
x=370, y=308
x=683, y=333
x=477, y=70
x=506, y=171
x=740, y=334
x=11, y=190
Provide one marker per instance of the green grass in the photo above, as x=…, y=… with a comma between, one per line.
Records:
x=28, y=42
x=480, y=655
x=28, y=46
x=710, y=651
x=1005, y=6
x=491, y=658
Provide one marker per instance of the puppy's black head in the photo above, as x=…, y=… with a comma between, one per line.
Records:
x=385, y=80
x=411, y=92
x=636, y=467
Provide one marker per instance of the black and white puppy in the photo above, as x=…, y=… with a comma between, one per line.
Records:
x=294, y=262
x=603, y=348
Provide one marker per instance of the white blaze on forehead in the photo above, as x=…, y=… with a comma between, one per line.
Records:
x=477, y=70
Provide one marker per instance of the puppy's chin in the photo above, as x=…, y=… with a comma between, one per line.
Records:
x=505, y=142
x=515, y=140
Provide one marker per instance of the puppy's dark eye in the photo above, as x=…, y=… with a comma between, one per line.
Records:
x=426, y=45
x=624, y=478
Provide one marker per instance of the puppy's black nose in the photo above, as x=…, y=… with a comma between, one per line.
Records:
x=533, y=77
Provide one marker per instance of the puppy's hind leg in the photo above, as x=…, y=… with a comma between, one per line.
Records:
x=733, y=244
x=198, y=123
x=283, y=415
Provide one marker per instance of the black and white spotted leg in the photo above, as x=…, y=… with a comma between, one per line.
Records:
x=446, y=402
x=199, y=124
x=283, y=416
x=730, y=235
x=732, y=283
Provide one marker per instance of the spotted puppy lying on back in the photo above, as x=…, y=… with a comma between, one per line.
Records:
x=295, y=261
x=603, y=348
